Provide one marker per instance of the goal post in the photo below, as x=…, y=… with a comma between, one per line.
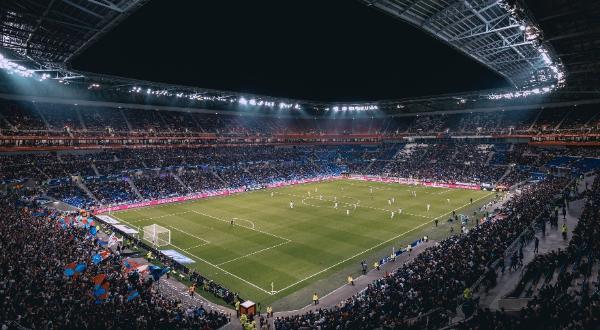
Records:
x=157, y=235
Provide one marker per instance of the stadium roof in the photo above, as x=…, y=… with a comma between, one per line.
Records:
x=489, y=30
x=52, y=32
x=572, y=27
x=501, y=35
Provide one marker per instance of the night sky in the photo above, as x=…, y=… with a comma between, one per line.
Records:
x=322, y=50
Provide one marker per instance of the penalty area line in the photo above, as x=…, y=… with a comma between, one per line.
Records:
x=160, y=217
x=253, y=253
x=223, y=270
x=217, y=267
x=237, y=224
x=191, y=235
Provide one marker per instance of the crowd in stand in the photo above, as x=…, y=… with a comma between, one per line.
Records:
x=112, y=175
x=434, y=278
x=39, y=245
x=69, y=120
x=35, y=244
x=71, y=194
x=158, y=185
x=445, y=163
x=572, y=301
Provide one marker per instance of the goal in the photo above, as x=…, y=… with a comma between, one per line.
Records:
x=157, y=235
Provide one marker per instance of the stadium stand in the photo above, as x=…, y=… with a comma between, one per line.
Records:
x=435, y=278
x=132, y=170
x=37, y=248
x=44, y=119
x=75, y=144
x=562, y=284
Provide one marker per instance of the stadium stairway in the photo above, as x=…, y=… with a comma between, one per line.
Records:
x=567, y=113
x=506, y=173
x=94, y=168
x=592, y=118
x=85, y=189
x=218, y=177
x=490, y=157
x=8, y=123
x=370, y=165
x=178, y=179
x=507, y=282
x=80, y=118
x=535, y=120
x=41, y=172
x=44, y=120
x=129, y=127
x=135, y=189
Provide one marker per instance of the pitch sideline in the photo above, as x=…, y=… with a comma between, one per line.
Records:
x=314, y=274
x=375, y=246
x=215, y=266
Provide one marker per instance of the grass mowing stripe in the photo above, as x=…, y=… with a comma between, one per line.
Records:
x=253, y=253
x=191, y=235
x=235, y=224
x=304, y=198
x=376, y=246
x=215, y=266
x=247, y=257
x=223, y=270
x=160, y=217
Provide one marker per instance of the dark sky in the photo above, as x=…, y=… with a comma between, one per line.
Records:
x=329, y=50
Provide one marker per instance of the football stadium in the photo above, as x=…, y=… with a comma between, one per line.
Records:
x=339, y=164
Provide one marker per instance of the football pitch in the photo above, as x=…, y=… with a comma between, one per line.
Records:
x=273, y=251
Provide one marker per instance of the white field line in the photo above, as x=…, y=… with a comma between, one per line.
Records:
x=304, y=198
x=199, y=301
x=406, y=187
x=248, y=221
x=374, y=188
x=306, y=278
x=191, y=201
x=127, y=222
x=236, y=224
x=253, y=253
x=323, y=297
x=159, y=217
x=195, y=246
x=223, y=270
x=191, y=235
x=396, y=211
x=217, y=267
x=375, y=246
x=444, y=192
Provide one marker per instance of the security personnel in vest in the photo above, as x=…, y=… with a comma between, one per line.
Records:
x=315, y=299
x=467, y=294
x=350, y=280
x=237, y=308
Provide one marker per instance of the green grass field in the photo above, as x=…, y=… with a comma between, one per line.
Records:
x=310, y=247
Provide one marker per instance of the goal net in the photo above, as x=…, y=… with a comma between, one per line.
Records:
x=157, y=235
